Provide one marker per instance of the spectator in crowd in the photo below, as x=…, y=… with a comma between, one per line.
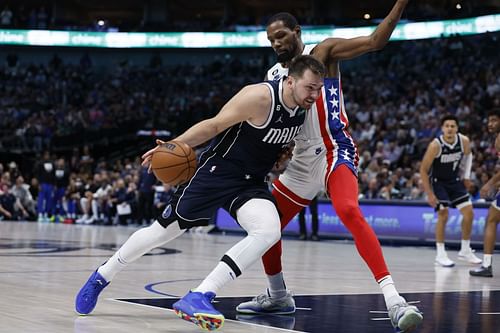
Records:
x=146, y=196
x=162, y=197
x=313, y=210
x=21, y=192
x=7, y=202
x=47, y=181
x=6, y=18
x=61, y=175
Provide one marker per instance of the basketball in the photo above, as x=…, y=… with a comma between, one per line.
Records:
x=174, y=162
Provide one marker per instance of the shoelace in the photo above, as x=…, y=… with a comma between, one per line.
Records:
x=260, y=298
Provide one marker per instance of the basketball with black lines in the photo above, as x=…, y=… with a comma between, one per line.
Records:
x=174, y=162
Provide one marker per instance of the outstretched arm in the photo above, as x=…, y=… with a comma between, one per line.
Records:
x=334, y=49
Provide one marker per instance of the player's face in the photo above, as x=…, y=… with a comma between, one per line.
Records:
x=285, y=42
x=449, y=128
x=493, y=124
x=306, y=89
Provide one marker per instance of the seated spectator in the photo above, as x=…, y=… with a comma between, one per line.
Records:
x=26, y=202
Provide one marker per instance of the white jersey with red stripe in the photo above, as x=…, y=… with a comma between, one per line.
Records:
x=323, y=144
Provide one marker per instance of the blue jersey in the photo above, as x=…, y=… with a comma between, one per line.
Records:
x=446, y=164
x=253, y=148
x=234, y=167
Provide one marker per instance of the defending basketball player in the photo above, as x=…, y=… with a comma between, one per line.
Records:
x=490, y=228
x=251, y=130
x=325, y=157
x=444, y=186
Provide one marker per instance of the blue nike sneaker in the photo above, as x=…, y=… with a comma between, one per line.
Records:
x=87, y=296
x=197, y=308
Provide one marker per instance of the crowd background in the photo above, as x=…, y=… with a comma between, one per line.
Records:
x=83, y=119
x=237, y=15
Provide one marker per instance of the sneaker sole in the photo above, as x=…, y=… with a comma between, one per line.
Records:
x=438, y=264
x=253, y=312
x=207, y=322
x=478, y=261
x=410, y=320
x=481, y=275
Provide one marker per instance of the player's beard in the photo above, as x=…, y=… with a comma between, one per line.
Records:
x=288, y=55
x=285, y=57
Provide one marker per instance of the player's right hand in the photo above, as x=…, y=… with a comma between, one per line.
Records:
x=432, y=200
x=146, y=158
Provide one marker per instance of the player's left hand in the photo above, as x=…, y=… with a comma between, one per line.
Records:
x=468, y=184
x=146, y=158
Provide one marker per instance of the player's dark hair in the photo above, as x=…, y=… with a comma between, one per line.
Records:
x=449, y=117
x=288, y=20
x=494, y=113
x=301, y=63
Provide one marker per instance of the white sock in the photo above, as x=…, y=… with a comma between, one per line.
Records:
x=440, y=249
x=139, y=243
x=391, y=295
x=465, y=245
x=221, y=275
x=487, y=259
x=243, y=254
x=277, y=288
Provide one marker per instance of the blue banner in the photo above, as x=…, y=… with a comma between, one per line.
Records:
x=395, y=221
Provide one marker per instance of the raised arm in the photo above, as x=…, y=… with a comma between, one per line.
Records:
x=335, y=49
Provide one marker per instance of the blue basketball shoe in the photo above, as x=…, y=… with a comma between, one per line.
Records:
x=87, y=296
x=197, y=308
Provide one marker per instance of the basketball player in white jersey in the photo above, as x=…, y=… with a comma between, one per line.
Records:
x=490, y=229
x=325, y=157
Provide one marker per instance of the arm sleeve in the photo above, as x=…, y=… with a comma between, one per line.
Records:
x=467, y=165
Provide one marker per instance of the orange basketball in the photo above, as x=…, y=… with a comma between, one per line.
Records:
x=174, y=162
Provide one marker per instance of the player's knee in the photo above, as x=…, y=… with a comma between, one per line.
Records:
x=348, y=211
x=443, y=214
x=467, y=212
x=268, y=231
x=260, y=219
x=273, y=235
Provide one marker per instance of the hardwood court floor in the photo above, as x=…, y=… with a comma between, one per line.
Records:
x=42, y=267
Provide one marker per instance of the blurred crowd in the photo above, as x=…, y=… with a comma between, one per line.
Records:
x=81, y=190
x=46, y=106
x=216, y=16
x=394, y=99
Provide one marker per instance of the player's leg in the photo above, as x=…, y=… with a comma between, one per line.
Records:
x=490, y=231
x=139, y=243
x=441, y=255
x=313, y=208
x=277, y=299
x=441, y=191
x=466, y=252
x=260, y=219
x=343, y=191
x=302, y=224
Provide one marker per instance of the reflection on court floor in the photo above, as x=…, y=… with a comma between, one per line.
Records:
x=443, y=312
